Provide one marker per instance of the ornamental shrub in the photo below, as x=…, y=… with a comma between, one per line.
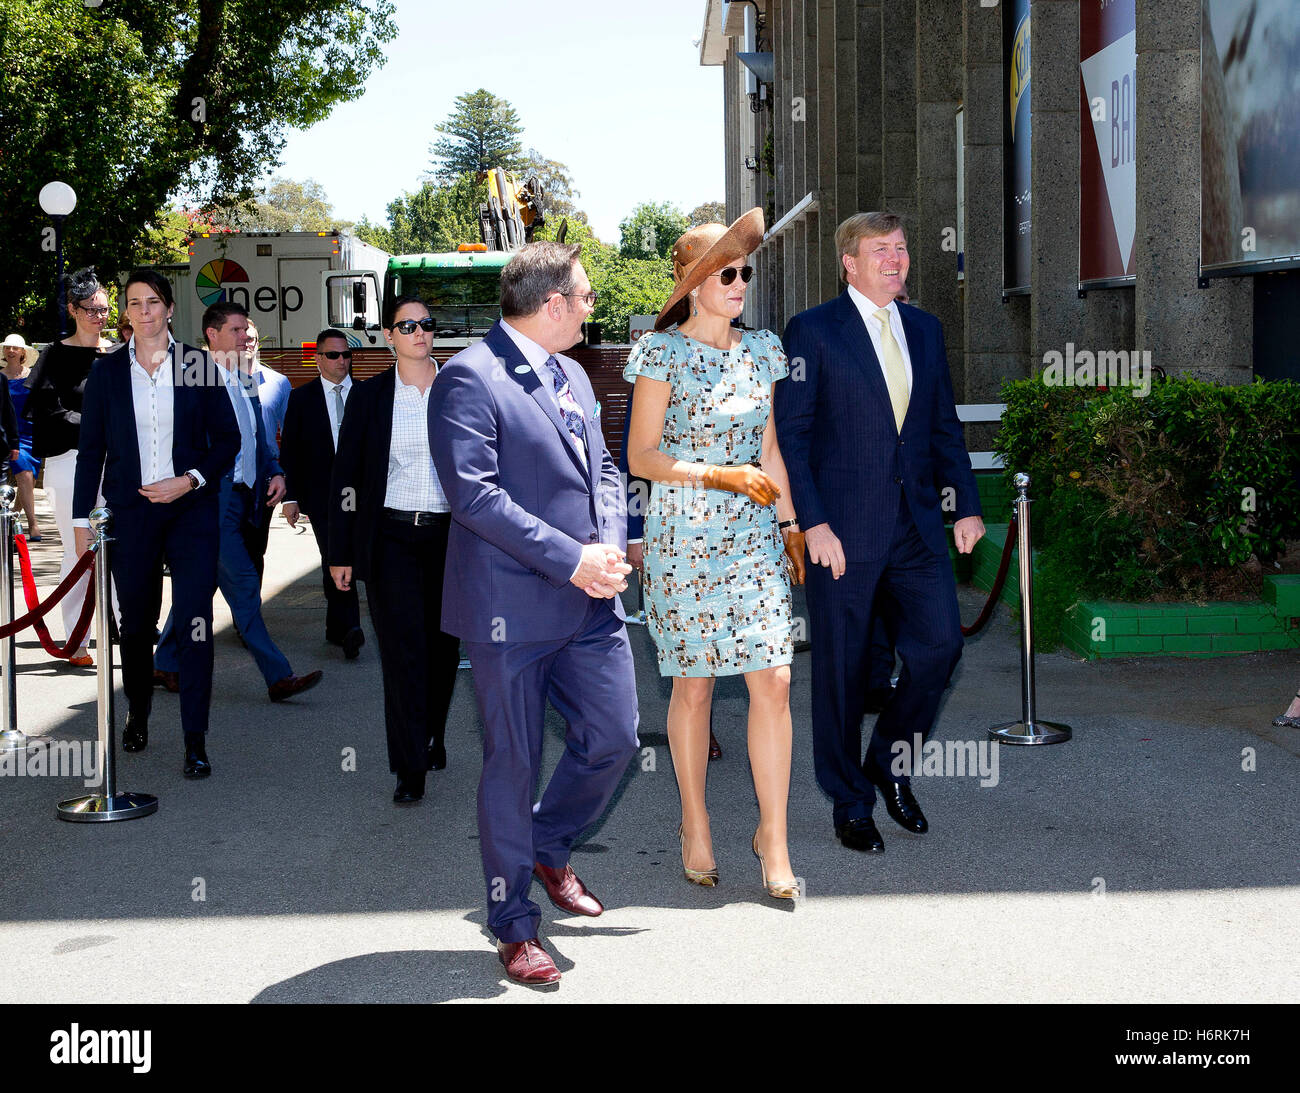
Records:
x=1165, y=496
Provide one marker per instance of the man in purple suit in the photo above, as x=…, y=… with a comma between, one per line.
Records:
x=535, y=563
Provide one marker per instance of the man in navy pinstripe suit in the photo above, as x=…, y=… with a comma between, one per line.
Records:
x=869, y=431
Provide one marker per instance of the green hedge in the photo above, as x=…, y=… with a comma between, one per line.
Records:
x=1139, y=498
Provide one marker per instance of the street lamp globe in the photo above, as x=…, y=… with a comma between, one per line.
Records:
x=58, y=199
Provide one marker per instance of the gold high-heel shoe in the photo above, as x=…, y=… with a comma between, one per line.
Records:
x=777, y=889
x=708, y=878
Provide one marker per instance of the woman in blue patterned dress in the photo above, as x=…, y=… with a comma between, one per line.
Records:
x=716, y=582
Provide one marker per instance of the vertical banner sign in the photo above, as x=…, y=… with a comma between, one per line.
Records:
x=1250, y=135
x=1107, y=136
x=1018, y=195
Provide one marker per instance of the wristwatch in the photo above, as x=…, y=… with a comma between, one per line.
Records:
x=194, y=481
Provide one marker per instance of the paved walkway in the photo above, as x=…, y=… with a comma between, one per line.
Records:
x=1139, y=862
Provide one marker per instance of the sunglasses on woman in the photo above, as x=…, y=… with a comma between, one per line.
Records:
x=407, y=326
x=728, y=274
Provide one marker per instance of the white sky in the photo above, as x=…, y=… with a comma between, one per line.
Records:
x=613, y=89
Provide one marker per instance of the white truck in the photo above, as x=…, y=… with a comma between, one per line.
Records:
x=292, y=283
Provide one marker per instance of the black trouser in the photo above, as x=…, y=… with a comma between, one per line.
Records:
x=186, y=534
x=342, y=610
x=418, y=660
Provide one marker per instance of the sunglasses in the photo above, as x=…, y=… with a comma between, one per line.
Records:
x=346, y=354
x=728, y=274
x=407, y=326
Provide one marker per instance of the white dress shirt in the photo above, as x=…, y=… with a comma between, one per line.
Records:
x=536, y=356
x=331, y=403
x=868, y=311
x=413, y=484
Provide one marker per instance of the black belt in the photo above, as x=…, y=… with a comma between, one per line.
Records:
x=419, y=519
x=242, y=488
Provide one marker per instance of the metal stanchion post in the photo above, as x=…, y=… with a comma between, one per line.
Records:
x=1027, y=730
x=110, y=805
x=11, y=737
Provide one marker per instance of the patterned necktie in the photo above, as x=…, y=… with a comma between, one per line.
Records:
x=569, y=408
x=338, y=416
x=895, y=370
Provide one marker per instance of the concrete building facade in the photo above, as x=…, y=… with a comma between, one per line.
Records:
x=839, y=106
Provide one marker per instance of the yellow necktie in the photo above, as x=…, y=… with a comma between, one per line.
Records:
x=895, y=370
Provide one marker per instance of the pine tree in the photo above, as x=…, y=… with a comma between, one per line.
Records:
x=482, y=133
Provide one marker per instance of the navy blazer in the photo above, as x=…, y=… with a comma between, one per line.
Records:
x=307, y=448
x=847, y=461
x=205, y=434
x=359, y=473
x=523, y=504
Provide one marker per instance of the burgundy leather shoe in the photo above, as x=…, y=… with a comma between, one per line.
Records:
x=170, y=681
x=292, y=685
x=527, y=962
x=715, y=749
x=567, y=892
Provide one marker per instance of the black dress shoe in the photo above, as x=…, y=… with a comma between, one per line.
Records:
x=135, y=737
x=409, y=790
x=861, y=834
x=437, y=755
x=352, y=642
x=902, y=807
x=196, y=757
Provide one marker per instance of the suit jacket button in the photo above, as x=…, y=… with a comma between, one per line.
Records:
x=592, y=538
x=897, y=481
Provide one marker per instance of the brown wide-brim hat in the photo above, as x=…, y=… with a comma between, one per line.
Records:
x=705, y=250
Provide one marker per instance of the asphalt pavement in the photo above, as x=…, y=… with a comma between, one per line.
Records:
x=1152, y=858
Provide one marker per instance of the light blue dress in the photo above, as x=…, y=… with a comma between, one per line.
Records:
x=716, y=590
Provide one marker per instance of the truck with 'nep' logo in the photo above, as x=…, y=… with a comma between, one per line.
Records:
x=293, y=284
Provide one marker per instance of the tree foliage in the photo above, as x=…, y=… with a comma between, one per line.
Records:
x=480, y=134
x=625, y=286
x=286, y=205
x=557, y=186
x=132, y=103
x=651, y=230
x=711, y=212
x=431, y=219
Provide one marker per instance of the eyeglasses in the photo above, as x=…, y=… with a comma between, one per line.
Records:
x=407, y=326
x=589, y=298
x=728, y=274
x=94, y=312
x=346, y=354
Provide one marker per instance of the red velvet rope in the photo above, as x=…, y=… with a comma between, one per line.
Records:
x=987, y=612
x=36, y=611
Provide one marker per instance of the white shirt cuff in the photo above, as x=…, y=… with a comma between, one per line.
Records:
x=81, y=524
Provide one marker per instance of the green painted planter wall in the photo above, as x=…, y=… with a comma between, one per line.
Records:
x=1104, y=628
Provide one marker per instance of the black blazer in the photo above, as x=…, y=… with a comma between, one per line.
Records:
x=359, y=482
x=205, y=434
x=307, y=448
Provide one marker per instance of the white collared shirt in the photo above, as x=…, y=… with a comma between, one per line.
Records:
x=154, y=400
x=868, y=312
x=413, y=484
x=537, y=357
x=331, y=404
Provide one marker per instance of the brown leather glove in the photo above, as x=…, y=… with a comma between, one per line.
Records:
x=794, y=553
x=746, y=479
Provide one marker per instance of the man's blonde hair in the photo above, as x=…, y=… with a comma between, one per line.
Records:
x=860, y=226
